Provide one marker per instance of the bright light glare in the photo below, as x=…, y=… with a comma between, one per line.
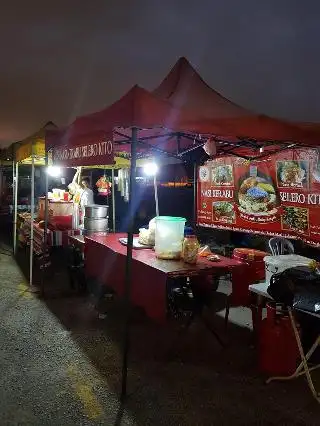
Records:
x=54, y=171
x=150, y=169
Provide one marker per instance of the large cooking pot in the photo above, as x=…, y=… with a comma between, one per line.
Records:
x=99, y=225
x=88, y=233
x=96, y=211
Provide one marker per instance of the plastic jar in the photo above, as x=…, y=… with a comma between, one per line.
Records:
x=190, y=249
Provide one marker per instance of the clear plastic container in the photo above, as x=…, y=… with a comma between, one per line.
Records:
x=56, y=193
x=169, y=237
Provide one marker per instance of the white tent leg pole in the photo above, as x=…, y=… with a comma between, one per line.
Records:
x=113, y=203
x=46, y=205
x=15, y=211
x=32, y=219
x=13, y=201
x=45, y=231
x=1, y=182
x=156, y=194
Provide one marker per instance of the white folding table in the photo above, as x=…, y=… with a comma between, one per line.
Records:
x=260, y=290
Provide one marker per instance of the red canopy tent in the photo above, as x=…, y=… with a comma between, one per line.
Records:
x=137, y=119
x=174, y=120
x=165, y=127
x=238, y=130
x=153, y=118
x=183, y=87
x=181, y=114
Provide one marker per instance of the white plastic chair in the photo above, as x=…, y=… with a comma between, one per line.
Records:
x=279, y=245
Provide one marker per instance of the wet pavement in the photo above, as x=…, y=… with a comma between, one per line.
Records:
x=61, y=365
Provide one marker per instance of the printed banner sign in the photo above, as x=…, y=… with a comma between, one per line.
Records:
x=93, y=151
x=276, y=196
x=35, y=147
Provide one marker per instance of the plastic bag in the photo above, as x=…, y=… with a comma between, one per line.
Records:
x=204, y=251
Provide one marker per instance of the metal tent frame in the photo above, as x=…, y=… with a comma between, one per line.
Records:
x=33, y=160
x=196, y=142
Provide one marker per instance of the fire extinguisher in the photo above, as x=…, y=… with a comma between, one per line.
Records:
x=278, y=349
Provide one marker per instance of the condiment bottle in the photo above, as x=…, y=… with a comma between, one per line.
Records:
x=190, y=249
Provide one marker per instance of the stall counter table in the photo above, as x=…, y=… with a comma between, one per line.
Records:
x=105, y=261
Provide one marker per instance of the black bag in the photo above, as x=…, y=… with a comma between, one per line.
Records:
x=297, y=287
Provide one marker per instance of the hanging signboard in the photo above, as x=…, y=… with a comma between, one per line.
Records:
x=89, y=150
x=34, y=146
x=276, y=196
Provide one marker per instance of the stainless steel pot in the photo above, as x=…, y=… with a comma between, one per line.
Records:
x=96, y=211
x=88, y=233
x=99, y=225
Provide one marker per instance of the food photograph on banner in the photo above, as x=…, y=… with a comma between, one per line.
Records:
x=276, y=196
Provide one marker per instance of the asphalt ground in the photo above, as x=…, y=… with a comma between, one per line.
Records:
x=61, y=365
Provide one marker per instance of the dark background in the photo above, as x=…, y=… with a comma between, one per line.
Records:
x=63, y=59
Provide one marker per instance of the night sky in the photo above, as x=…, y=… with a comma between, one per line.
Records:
x=61, y=59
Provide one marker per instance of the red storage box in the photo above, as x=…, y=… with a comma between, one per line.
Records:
x=253, y=271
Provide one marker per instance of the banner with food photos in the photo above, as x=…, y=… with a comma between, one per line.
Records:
x=275, y=196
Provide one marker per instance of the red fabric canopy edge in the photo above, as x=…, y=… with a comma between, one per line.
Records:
x=145, y=110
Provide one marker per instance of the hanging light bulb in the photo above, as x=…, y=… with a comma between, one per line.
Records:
x=54, y=171
x=150, y=169
x=210, y=147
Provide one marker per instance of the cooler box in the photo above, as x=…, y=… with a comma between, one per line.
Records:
x=277, y=264
x=253, y=271
x=61, y=223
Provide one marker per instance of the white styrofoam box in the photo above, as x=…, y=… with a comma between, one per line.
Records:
x=277, y=264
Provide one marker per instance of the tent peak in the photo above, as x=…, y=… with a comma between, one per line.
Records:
x=183, y=60
x=184, y=87
x=137, y=88
x=49, y=124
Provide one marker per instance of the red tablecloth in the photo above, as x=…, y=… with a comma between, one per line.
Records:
x=105, y=260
